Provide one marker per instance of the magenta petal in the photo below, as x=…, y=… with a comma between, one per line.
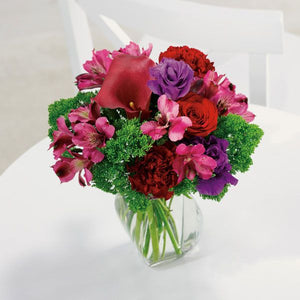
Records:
x=197, y=150
x=80, y=179
x=178, y=127
x=248, y=116
x=97, y=156
x=152, y=129
x=205, y=166
x=167, y=107
x=190, y=173
x=61, y=125
x=178, y=166
x=148, y=51
x=182, y=149
x=103, y=126
x=88, y=175
x=64, y=170
x=80, y=114
x=85, y=135
x=88, y=81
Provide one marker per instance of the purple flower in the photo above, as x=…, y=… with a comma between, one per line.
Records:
x=215, y=148
x=172, y=78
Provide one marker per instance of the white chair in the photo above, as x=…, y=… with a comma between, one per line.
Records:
x=221, y=32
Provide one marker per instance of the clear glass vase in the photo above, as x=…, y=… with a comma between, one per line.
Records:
x=165, y=231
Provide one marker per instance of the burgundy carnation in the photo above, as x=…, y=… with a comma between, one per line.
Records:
x=196, y=59
x=154, y=174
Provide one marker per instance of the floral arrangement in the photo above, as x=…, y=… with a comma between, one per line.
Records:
x=153, y=130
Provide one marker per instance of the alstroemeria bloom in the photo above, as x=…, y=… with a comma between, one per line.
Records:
x=97, y=69
x=221, y=91
x=125, y=85
x=66, y=168
x=191, y=160
x=88, y=113
x=62, y=138
x=133, y=49
x=168, y=118
x=91, y=138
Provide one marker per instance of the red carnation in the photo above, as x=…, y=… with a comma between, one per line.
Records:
x=154, y=174
x=202, y=112
x=193, y=57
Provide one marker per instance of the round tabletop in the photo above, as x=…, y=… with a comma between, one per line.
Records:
x=62, y=241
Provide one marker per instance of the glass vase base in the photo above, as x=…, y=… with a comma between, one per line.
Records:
x=165, y=231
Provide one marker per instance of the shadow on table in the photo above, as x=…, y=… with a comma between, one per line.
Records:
x=77, y=271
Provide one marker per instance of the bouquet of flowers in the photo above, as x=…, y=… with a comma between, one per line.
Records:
x=152, y=132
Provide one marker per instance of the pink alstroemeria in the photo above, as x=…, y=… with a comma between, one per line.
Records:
x=167, y=119
x=91, y=138
x=62, y=138
x=134, y=50
x=221, y=91
x=66, y=168
x=85, y=114
x=190, y=161
x=96, y=68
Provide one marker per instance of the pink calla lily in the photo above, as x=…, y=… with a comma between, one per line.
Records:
x=168, y=118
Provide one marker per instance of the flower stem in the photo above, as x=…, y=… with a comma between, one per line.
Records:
x=137, y=231
x=169, y=215
x=153, y=233
x=167, y=226
x=147, y=243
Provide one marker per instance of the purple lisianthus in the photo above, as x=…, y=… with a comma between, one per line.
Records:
x=172, y=78
x=216, y=148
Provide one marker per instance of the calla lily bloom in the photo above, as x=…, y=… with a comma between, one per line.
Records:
x=167, y=119
x=62, y=138
x=125, y=85
x=91, y=138
x=66, y=169
x=190, y=160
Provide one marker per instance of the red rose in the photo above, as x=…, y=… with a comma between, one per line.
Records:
x=154, y=174
x=202, y=112
x=193, y=57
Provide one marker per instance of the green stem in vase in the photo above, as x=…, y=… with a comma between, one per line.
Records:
x=168, y=228
x=147, y=243
x=164, y=244
x=137, y=231
x=170, y=217
x=153, y=233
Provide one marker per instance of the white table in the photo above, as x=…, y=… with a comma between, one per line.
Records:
x=61, y=241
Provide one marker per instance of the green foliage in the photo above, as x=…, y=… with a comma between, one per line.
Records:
x=128, y=144
x=243, y=138
x=111, y=175
x=113, y=178
x=62, y=107
x=186, y=187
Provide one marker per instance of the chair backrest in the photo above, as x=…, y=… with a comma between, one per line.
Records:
x=215, y=29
